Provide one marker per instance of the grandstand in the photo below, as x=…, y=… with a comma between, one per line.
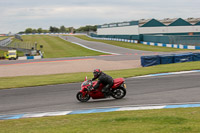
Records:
x=168, y=31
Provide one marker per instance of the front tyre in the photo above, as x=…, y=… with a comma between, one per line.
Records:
x=80, y=97
x=119, y=93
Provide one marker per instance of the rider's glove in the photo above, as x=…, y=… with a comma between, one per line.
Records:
x=92, y=88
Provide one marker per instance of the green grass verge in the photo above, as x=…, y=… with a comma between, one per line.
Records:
x=54, y=47
x=1, y=38
x=25, y=81
x=20, y=53
x=133, y=45
x=182, y=120
x=2, y=52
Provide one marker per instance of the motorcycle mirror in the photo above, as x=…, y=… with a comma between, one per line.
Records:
x=85, y=78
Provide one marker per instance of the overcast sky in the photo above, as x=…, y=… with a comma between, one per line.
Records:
x=17, y=15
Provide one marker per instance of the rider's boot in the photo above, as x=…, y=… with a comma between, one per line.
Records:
x=107, y=93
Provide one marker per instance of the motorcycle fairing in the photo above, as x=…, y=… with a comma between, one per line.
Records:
x=117, y=82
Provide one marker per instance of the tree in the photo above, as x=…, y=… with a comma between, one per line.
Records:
x=68, y=30
x=21, y=32
x=51, y=29
x=54, y=29
x=39, y=30
x=87, y=28
x=93, y=28
x=28, y=30
x=35, y=31
x=45, y=31
x=62, y=29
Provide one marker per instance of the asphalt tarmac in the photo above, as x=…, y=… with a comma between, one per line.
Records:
x=140, y=91
x=170, y=89
x=123, y=53
x=122, y=59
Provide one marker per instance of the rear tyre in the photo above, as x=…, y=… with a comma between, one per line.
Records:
x=80, y=97
x=119, y=93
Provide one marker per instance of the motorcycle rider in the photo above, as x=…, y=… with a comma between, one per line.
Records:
x=103, y=78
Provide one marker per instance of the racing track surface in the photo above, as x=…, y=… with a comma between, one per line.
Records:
x=140, y=91
x=125, y=53
x=125, y=59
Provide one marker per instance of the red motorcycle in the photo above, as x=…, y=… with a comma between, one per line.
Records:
x=117, y=91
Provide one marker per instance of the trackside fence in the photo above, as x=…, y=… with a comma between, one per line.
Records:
x=193, y=40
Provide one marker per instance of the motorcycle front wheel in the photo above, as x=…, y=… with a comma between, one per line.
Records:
x=119, y=93
x=80, y=97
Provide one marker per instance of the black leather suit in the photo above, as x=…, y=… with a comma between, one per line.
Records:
x=106, y=80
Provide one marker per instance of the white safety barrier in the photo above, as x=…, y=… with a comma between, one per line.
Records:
x=29, y=57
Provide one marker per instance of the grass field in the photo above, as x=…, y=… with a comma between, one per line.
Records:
x=54, y=47
x=182, y=120
x=24, y=81
x=2, y=37
x=133, y=46
x=2, y=52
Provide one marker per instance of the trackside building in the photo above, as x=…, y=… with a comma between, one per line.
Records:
x=122, y=30
x=167, y=31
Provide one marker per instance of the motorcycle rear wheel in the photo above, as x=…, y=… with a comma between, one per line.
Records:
x=119, y=93
x=80, y=97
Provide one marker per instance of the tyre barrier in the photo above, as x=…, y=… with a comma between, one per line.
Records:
x=169, y=58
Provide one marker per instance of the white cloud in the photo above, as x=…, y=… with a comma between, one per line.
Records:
x=21, y=14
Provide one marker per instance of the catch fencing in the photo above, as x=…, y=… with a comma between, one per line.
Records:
x=193, y=40
x=23, y=45
x=185, y=40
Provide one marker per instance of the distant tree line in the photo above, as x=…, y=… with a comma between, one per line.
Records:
x=87, y=28
x=62, y=29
